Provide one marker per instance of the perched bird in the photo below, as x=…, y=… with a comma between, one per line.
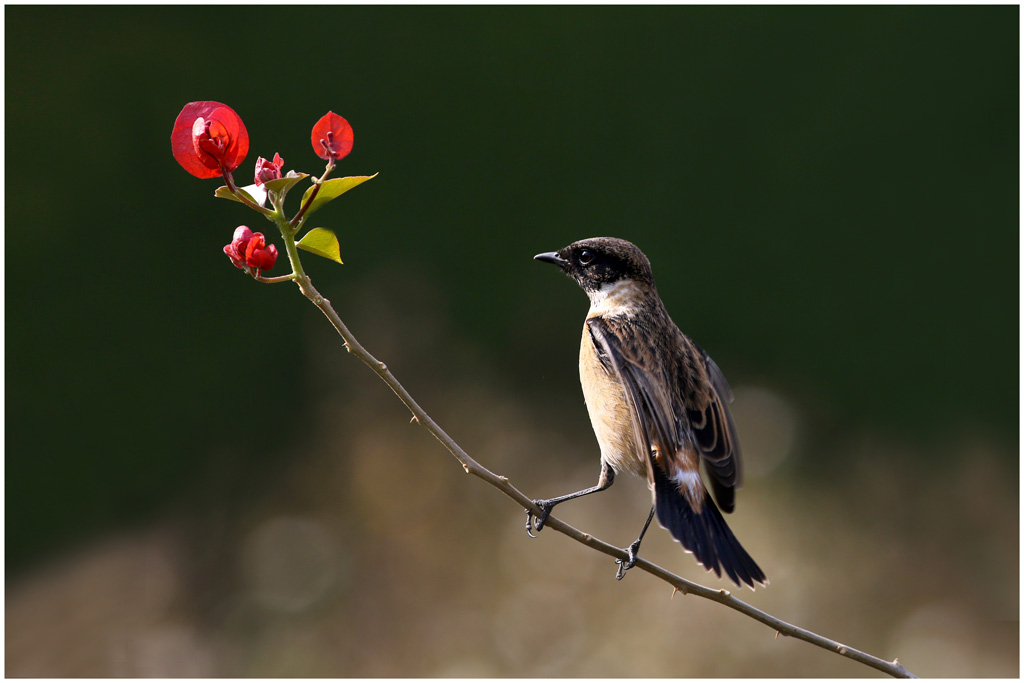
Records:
x=659, y=407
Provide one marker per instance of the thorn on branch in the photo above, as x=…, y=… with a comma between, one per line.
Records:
x=841, y=649
x=465, y=466
x=414, y=419
x=382, y=366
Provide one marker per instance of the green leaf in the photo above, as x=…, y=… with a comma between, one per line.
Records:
x=224, y=193
x=321, y=242
x=282, y=185
x=332, y=189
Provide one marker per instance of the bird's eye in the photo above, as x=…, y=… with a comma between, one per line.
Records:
x=586, y=256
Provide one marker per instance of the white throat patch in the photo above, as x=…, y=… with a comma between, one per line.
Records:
x=614, y=298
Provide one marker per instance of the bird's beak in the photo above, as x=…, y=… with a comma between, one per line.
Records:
x=552, y=257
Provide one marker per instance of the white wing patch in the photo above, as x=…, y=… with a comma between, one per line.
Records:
x=691, y=481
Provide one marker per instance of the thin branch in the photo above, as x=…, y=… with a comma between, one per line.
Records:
x=274, y=280
x=317, y=184
x=230, y=181
x=724, y=597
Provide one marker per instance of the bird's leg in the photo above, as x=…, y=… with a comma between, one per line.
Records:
x=633, y=549
x=546, y=505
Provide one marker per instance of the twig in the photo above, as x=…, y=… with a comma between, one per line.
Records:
x=724, y=597
x=317, y=184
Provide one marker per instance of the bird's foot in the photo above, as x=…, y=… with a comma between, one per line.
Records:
x=626, y=565
x=537, y=522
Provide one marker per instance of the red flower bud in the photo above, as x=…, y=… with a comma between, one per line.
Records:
x=207, y=137
x=332, y=137
x=260, y=255
x=268, y=170
x=236, y=250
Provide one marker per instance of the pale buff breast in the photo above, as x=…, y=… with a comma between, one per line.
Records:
x=609, y=412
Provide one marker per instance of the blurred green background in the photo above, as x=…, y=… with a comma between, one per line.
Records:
x=199, y=481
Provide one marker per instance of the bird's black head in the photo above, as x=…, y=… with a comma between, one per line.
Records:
x=598, y=262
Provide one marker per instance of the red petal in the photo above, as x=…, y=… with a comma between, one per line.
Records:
x=263, y=259
x=239, y=136
x=237, y=260
x=182, y=144
x=339, y=143
x=268, y=170
x=255, y=244
x=210, y=140
x=271, y=257
x=240, y=239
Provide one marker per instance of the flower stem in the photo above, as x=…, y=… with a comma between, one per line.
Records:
x=241, y=196
x=275, y=280
x=296, y=221
x=288, y=237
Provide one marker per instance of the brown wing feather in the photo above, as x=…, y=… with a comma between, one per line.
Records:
x=678, y=414
x=671, y=411
x=651, y=406
x=714, y=431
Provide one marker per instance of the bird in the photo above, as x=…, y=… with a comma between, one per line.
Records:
x=659, y=406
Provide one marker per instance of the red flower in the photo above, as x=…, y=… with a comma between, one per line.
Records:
x=260, y=255
x=332, y=137
x=209, y=137
x=268, y=170
x=250, y=249
x=236, y=250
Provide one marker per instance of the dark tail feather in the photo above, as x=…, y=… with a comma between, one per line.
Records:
x=704, y=533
